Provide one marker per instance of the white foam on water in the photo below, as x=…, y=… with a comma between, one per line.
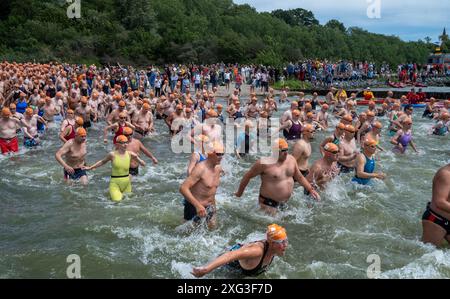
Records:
x=431, y=265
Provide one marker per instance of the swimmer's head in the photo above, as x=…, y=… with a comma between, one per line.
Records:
x=127, y=131
x=212, y=113
x=146, y=107
x=296, y=113
x=6, y=112
x=309, y=115
x=325, y=107
x=370, y=144
x=308, y=107
x=122, y=104
x=377, y=125
x=348, y=118
x=331, y=148
x=308, y=131
x=370, y=114
x=216, y=149
x=277, y=236
x=79, y=121
x=340, y=127
x=12, y=106
x=122, y=116
x=29, y=111
x=121, y=140
x=80, y=133
x=350, y=129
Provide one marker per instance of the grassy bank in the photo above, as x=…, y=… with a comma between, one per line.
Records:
x=294, y=85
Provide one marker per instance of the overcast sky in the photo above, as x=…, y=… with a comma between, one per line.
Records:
x=408, y=19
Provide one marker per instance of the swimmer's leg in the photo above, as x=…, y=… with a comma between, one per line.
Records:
x=84, y=180
x=433, y=233
x=114, y=191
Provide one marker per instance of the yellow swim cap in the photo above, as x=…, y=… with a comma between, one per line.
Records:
x=276, y=232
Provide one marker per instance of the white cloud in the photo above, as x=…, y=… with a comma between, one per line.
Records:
x=397, y=16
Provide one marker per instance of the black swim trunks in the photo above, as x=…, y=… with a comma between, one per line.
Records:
x=434, y=217
x=190, y=212
x=143, y=133
x=272, y=203
x=304, y=172
x=134, y=171
x=345, y=169
x=76, y=175
x=87, y=124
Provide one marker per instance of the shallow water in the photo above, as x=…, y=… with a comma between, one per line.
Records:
x=43, y=221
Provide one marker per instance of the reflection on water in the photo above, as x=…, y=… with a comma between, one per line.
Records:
x=43, y=220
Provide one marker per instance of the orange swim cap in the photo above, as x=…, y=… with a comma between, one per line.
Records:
x=296, y=112
x=29, y=111
x=276, y=232
x=212, y=113
x=377, y=125
x=309, y=114
x=216, y=147
x=219, y=106
x=79, y=121
x=122, y=104
x=146, y=107
x=70, y=111
x=188, y=110
x=294, y=103
x=59, y=94
x=127, y=131
x=370, y=113
x=370, y=142
x=348, y=117
x=81, y=132
x=350, y=128
x=308, y=106
x=6, y=112
x=84, y=100
x=331, y=147
x=179, y=107
x=308, y=128
x=340, y=126
x=282, y=144
x=121, y=139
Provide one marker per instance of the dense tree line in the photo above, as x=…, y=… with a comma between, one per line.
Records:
x=143, y=32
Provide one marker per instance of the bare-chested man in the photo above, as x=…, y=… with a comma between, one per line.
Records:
x=435, y=220
x=176, y=120
x=143, y=121
x=75, y=152
x=31, y=137
x=84, y=111
x=200, y=187
x=135, y=145
x=49, y=110
x=302, y=149
x=277, y=179
x=348, y=150
x=114, y=116
x=322, y=116
x=325, y=169
x=8, y=132
x=253, y=109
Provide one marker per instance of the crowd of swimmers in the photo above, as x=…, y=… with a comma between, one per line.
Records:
x=38, y=95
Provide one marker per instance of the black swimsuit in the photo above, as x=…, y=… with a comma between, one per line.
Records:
x=434, y=217
x=258, y=269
